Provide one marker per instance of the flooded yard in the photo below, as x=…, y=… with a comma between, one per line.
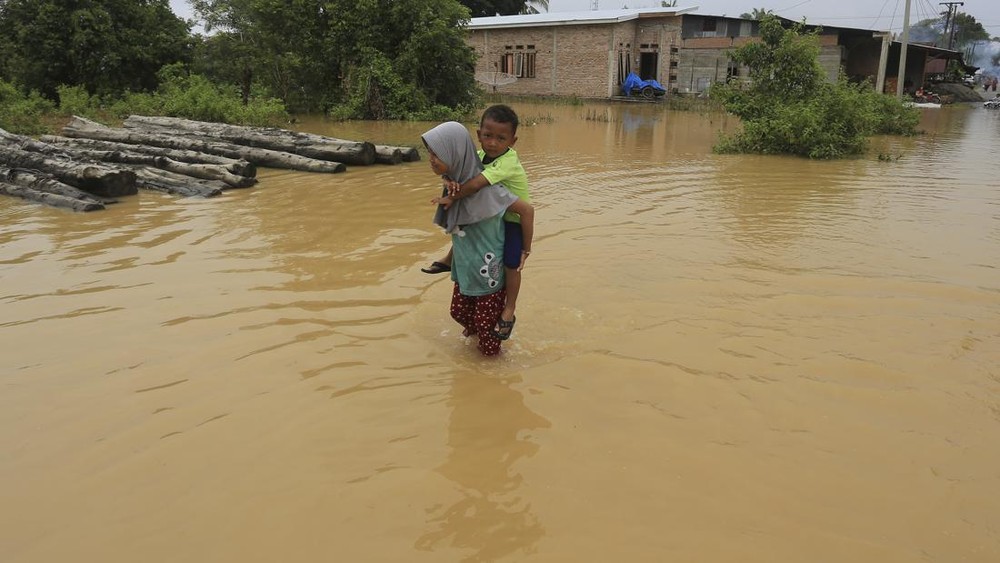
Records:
x=718, y=358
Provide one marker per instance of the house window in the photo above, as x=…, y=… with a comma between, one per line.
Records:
x=709, y=24
x=519, y=61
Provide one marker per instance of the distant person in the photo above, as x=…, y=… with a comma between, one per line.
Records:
x=477, y=231
x=497, y=134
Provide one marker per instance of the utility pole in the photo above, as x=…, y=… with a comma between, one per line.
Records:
x=949, y=19
x=901, y=75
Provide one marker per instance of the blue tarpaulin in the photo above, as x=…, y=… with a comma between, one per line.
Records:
x=635, y=84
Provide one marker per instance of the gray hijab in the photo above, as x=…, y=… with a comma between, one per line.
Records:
x=452, y=143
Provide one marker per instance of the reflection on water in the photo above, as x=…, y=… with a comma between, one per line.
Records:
x=718, y=358
x=489, y=431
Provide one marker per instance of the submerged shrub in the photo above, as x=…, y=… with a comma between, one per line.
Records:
x=789, y=108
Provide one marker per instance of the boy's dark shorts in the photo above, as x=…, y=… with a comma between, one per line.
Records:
x=513, y=244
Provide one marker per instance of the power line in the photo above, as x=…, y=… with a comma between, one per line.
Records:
x=879, y=12
x=795, y=6
x=952, y=16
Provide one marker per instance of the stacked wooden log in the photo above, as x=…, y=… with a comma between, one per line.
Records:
x=40, y=172
x=91, y=163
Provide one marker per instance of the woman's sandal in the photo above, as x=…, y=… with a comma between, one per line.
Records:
x=436, y=268
x=504, y=328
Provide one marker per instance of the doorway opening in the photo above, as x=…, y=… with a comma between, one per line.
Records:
x=648, y=63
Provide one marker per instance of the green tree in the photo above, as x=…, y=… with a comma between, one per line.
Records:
x=316, y=54
x=756, y=14
x=967, y=30
x=787, y=107
x=107, y=46
x=421, y=40
x=483, y=8
x=962, y=30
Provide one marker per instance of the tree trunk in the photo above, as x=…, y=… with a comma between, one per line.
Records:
x=202, y=171
x=235, y=166
x=79, y=127
x=388, y=155
x=94, y=178
x=54, y=200
x=303, y=144
x=43, y=183
x=47, y=184
x=409, y=154
x=177, y=184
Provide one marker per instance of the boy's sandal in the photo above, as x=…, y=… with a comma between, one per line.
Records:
x=436, y=268
x=504, y=328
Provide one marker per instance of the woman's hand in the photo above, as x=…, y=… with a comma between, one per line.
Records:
x=445, y=201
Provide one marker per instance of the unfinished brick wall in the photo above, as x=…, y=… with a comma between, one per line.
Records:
x=704, y=61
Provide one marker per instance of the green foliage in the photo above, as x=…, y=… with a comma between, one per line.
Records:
x=377, y=91
x=480, y=8
x=180, y=95
x=74, y=100
x=195, y=97
x=311, y=54
x=967, y=30
x=134, y=103
x=343, y=54
x=433, y=55
x=891, y=116
x=962, y=30
x=22, y=113
x=107, y=46
x=789, y=108
x=756, y=14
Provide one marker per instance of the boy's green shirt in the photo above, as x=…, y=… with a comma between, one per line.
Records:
x=507, y=170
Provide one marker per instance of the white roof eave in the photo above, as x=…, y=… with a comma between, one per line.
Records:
x=569, y=18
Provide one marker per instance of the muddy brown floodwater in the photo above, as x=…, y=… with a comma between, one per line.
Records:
x=717, y=359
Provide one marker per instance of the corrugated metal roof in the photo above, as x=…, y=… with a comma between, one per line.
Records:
x=573, y=18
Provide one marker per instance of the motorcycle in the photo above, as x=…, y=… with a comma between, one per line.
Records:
x=926, y=97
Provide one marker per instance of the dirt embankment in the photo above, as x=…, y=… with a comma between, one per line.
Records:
x=961, y=92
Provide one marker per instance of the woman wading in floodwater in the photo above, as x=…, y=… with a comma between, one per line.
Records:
x=477, y=234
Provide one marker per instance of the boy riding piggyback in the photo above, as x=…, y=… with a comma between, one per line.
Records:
x=497, y=134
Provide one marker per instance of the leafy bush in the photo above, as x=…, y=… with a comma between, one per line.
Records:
x=135, y=103
x=789, y=108
x=193, y=96
x=180, y=95
x=75, y=100
x=892, y=117
x=22, y=113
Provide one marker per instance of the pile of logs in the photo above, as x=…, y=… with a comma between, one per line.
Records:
x=91, y=164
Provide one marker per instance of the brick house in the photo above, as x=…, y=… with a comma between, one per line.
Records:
x=588, y=54
x=585, y=54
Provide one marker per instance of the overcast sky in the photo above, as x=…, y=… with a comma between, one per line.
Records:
x=866, y=14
